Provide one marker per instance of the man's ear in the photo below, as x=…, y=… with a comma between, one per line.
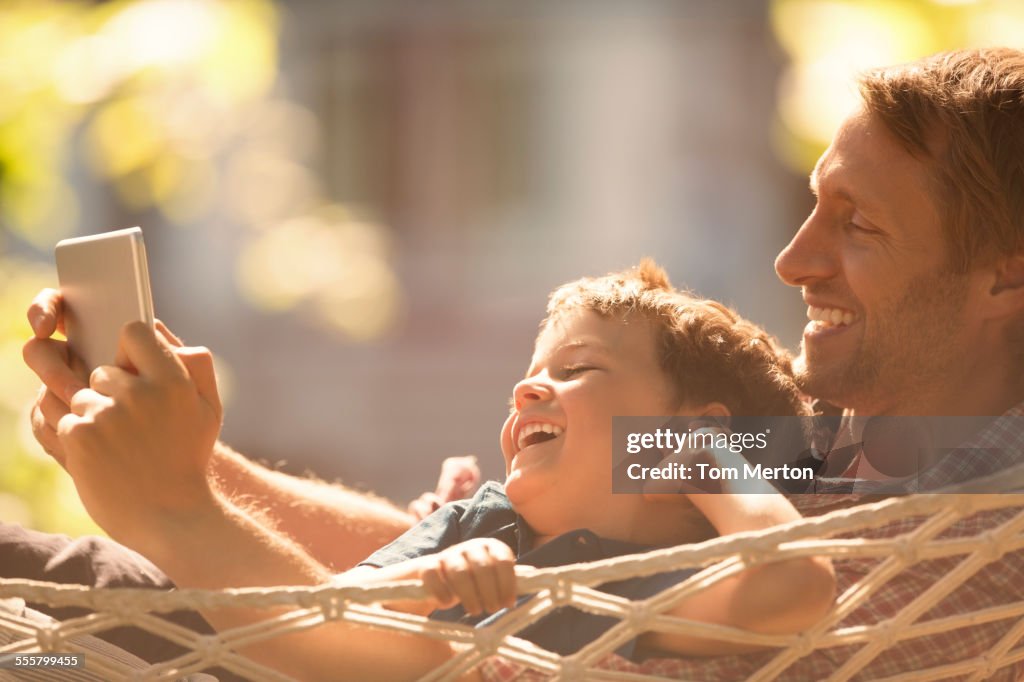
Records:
x=1006, y=296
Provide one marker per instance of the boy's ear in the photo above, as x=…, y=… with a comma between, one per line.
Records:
x=706, y=410
x=717, y=414
x=1006, y=295
x=714, y=410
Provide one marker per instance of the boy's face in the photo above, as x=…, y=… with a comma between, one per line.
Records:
x=585, y=370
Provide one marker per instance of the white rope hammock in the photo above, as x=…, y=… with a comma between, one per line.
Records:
x=844, y=535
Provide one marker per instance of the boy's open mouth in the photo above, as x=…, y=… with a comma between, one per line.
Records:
x=537, y=432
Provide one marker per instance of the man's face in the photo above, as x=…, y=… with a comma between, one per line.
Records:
x=585, y=370
x=888, y=317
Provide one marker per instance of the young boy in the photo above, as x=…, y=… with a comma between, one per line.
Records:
x=620, y=345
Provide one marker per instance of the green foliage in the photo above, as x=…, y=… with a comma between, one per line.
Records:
x=829, y=42
x=110, y=74
x=33, y=490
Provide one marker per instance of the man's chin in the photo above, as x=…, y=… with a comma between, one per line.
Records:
x=821, y=381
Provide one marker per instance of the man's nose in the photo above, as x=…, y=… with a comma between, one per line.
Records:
x=531, y=390
x=810, y=255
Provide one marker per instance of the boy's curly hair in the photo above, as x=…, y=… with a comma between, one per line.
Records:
x=710, y=353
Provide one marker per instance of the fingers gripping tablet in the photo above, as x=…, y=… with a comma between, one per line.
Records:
x=104, y=281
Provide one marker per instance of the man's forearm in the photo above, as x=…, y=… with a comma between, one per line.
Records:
x=251, y=555
x=336, y=526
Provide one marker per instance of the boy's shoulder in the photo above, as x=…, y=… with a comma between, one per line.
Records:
x=489, y=500
x=487, y=514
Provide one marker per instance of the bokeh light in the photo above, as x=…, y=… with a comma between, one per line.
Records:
x=150, y=81
x=830, y=41
x=331, y=265
x=451, y=147
x=47, y=497
x=170, y=106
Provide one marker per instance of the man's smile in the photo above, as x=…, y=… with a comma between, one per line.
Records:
x=828, y=321
x=831, y=316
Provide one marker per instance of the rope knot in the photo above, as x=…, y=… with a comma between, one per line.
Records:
x=572, y=670
x=331, y=608
x=486, y=641
x=209, y=648
x=885, y=634
x=637, y=617
x=906, y=551
x=803, y=645
x=561, y=594
x=989, y=666
x=991, y=548
x=757, y=553
x=48, y=636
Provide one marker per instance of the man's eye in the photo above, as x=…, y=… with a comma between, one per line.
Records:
x=854, y=227
x=858, y=223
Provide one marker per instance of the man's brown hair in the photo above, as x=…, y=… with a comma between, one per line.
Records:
x=963, y=111
x=707, y=350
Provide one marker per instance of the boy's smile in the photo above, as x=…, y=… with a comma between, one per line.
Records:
x=529, y=433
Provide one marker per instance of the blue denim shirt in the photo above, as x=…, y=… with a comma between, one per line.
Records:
x=489, y=514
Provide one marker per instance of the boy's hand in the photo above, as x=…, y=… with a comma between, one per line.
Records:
x=137, y=446
x=479, y=573
x=459, y=478
x=730, y=501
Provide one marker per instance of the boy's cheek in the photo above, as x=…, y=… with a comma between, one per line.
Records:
x=506, y=441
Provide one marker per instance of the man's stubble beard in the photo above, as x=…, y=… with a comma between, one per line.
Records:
x=906, y=349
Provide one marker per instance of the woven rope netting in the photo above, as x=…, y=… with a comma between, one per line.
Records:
x=846, y=535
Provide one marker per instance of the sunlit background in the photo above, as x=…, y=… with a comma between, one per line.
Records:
x=360, y=206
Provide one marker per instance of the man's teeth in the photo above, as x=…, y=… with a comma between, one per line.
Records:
x=830, y=317
x=537, y=427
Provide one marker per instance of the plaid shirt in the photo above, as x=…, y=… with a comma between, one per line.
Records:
x=998, y=583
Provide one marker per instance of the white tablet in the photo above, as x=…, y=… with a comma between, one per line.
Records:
x=104, y=280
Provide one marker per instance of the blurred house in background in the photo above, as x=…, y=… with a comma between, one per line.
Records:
x=361, y=206
x=504, y=150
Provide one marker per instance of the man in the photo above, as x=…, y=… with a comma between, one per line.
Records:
x=912, y=265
